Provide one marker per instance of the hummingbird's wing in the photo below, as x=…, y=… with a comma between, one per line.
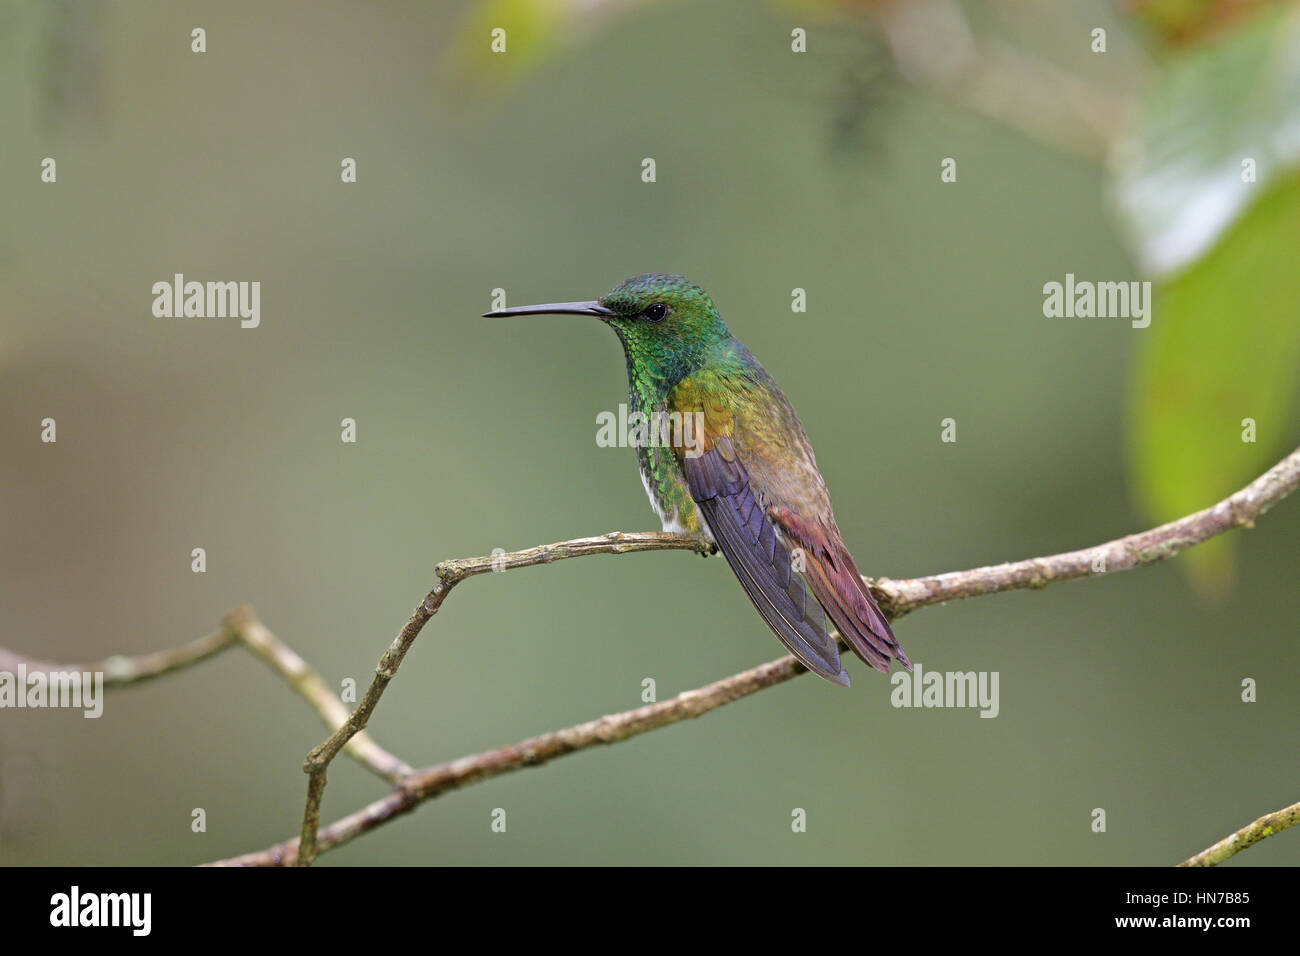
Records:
x=771, y=440
x=720, y=486
x=758, y=477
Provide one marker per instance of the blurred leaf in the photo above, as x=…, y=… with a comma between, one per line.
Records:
x=534, y=30
x=1225, y=339
x=1178, y=173
x=1186, y=21
x=1223, y=346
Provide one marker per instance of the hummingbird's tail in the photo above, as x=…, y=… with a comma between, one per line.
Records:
x=839, y=589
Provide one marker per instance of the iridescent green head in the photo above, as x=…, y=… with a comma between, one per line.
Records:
x=662, y=300
x=667, y=323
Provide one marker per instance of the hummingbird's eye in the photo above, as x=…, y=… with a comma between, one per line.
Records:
x=656, y=312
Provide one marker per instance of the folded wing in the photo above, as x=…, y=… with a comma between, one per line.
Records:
x=754, y=476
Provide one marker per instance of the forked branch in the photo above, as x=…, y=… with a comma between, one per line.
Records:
x=413, y=787
x=896, y=599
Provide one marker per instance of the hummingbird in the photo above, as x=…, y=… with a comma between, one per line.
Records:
x=744, y=478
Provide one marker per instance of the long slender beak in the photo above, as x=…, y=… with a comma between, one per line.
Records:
x=554, y=308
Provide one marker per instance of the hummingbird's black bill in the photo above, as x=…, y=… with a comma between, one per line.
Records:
x=554, y=308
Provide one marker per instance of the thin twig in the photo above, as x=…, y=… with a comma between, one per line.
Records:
x=1137, y=550
x=897, y=598
x=935, y=46
x=451, y=573
x=305, y=681
x=432, y=781
x=120, y=670
x=242, y=627
x=1247, y=836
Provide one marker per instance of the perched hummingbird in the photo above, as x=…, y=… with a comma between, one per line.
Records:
x=749, y=482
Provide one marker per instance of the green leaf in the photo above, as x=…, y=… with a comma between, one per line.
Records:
x=1223, y=346
x=1178, y=173
x=532, y=32
x=1224, y=342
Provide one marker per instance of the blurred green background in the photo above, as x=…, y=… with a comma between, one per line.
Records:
x=522, y=171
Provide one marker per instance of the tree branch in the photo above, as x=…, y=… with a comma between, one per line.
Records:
x=451, y=573
x=535, y=751
x=934, y=45
x=1247, y=836
x=1137, y=550
x=119, y=671
x=239, y=626
x=304, y=680
x=896, y=597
